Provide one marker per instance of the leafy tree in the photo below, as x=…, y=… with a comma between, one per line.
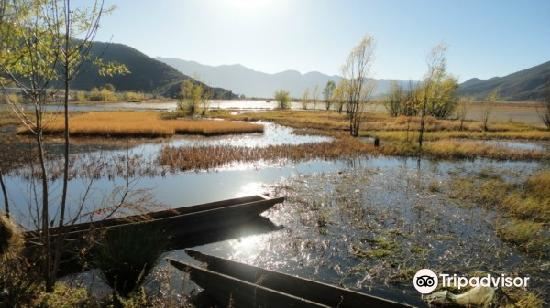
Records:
x=395, y=100
x=283, y=97
x=193, y=97
x=328, y=92
x=427, y=91
x=38, y=47
x=358, y=87
x=338, y=96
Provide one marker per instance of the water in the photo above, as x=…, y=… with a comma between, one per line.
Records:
x=334, y=209
x=242, y=105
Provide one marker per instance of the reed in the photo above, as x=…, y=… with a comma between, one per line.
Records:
x=206, y=157
x=142, y=124
x=470, y=149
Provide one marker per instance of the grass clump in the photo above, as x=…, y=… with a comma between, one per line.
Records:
x=527, y=234
x=525, y=207
x=142, y=124
x=206, y=157
x=379, y=247
x=468, y=149
x=65, y=296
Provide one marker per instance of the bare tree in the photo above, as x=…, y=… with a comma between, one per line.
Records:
x=436, y=62
x=359, y=88
x=395, y=99
x=462, y=111
x=305, y=99
x=487, y=108
x=315, y=96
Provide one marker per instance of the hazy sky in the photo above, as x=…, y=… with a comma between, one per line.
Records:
x=486, y=38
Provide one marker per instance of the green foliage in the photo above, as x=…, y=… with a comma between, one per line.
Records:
x=328, y=92
x=193, y=97
x=103, y=95
x=64, y=296
x=132, y=96
x=283, y=97
x=80, y=96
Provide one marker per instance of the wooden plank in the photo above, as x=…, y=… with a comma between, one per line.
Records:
x=226, y=289
x=169, y=213
x=312, y=290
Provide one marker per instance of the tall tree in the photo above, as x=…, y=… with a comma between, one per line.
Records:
x=283, y=97
x=359, y=87
x=305, y=99
x=29, y=57
x=328, y=92
x=45, y=41
x=315, y=96
x=436, y=62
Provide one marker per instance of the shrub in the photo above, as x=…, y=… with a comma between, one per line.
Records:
x=103, y=95
x=131, y=96
x=283, y=97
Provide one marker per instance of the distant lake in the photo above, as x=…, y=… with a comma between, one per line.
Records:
x=525, y=112
x=171, y=105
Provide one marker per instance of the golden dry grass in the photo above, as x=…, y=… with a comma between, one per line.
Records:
x=146, y=124
x=471, y=149
x=381, y=123
x=525, y=208
x=206, y=157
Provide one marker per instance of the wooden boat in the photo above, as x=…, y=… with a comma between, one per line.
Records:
x=312, y=291
x=182, y=220
x=230, y=291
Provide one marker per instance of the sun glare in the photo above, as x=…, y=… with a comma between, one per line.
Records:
x=249, y=6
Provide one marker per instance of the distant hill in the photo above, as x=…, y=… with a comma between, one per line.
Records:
x=146, y=74
x=527, y=84
x=252, y=83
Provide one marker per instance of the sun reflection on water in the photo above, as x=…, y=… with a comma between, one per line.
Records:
x=250, y=189
x=247, y=248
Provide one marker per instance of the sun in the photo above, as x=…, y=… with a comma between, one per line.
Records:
x=250, y=6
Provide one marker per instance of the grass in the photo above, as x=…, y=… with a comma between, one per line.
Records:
x=206, y=157
x=443, y=137
x=469, y=149
x=142, y=124
x=525, y=208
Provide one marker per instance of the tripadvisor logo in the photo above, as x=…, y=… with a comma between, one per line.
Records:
x=425, y=281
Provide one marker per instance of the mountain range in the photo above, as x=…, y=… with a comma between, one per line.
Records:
x=163, y=76
x=146, y=74
x=252, y=83
x=527, y=84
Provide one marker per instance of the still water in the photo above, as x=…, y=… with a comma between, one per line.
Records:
x=336, y=213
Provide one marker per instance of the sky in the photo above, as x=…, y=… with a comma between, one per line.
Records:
x=485, y=38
